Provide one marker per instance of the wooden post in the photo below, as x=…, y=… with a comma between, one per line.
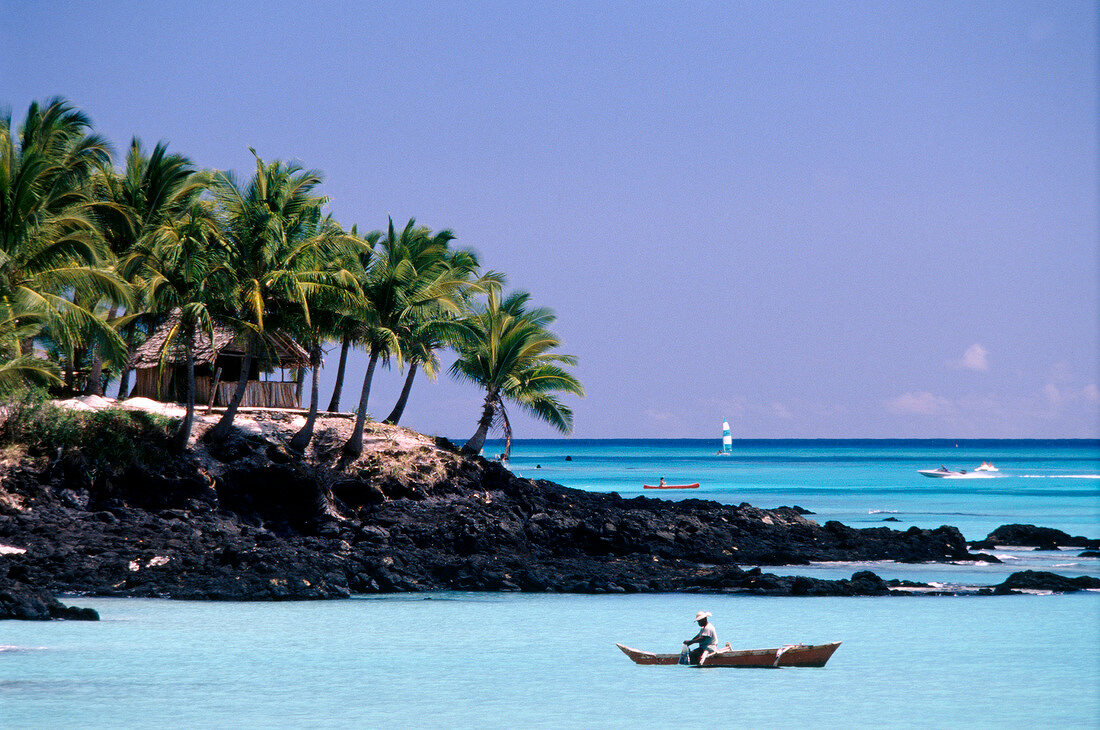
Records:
x=214, y=389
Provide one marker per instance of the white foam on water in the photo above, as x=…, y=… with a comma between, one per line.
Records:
x=1005, y=556
x=1060, y=476
x=883, y=512
x=1066, y=565
x=11, y=550
x=9, y=647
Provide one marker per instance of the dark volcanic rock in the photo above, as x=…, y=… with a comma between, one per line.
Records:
x=1042, y=580
x=258, y=523
x=21, y=602
x=1089, y=554
x=1044, y=538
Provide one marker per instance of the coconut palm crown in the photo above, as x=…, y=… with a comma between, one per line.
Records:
x=508, y=350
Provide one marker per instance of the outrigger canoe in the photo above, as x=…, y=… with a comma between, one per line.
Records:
x=671, y=486
x=792, y=655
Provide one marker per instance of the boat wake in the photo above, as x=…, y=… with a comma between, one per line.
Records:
x=1060, y=476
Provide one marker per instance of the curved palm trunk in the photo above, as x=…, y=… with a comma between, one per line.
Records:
x=354, y=446
x=221, y=430
x=334, y=404
x=399, y=407
x=305, y=435
x=507, y=435
x=183, y=434
x=124, y=384
x=473, y=446
x=94, y=385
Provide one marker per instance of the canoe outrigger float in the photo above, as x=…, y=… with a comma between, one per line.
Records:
x=792, y=655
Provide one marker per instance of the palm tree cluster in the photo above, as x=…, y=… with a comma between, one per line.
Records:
x=93, y=258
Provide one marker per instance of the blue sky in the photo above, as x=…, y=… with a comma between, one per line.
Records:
x=827, y=219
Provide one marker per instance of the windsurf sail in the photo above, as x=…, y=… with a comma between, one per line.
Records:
x=727, y=440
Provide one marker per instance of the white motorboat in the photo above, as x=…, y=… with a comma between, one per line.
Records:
x=940, y=473
x=986, y=466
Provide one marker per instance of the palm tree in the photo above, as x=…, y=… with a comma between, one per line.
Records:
x=150, y=191
x=328, y=306
x=53, y=263
x=508, y=352
x=267, y=226
x=349, y=329
x=410, y=274
x=180, y=266
x=435, y=327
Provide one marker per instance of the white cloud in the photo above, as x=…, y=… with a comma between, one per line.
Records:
x=920, y=404
x=975, y=358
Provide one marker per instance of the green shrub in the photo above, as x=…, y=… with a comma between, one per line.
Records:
x=110, y=441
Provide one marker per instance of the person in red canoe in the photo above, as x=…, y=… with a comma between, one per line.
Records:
x=707, y=638
x=661, y=483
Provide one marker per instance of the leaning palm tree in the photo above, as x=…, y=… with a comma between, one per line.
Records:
x=349, y=329
x=268, y=225
x=328, y=307
x=54, y=266
x=180, y=267
x=410, y=273
x=429, y=330
x=508, y=351
x=149, y=192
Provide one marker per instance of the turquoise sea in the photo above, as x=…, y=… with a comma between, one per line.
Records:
x=515, y=660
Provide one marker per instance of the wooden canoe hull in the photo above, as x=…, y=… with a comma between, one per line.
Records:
x=671, y=486
x=797, y=655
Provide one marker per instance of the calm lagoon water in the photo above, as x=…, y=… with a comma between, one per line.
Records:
x=513, y=660
x=859, y=482
x=476, y=660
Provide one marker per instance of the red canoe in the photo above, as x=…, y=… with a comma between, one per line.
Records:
x=794, y=655
x=671, y=486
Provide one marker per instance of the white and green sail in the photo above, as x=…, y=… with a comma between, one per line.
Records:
x=727, y=439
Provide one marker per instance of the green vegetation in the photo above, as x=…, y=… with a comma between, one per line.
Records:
x=107, y=442
x=94, y=258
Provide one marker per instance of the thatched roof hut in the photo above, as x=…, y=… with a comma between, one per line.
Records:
x=217, y=367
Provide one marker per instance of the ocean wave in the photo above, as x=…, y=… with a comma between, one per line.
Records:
x=9, y=647
x=883, y=512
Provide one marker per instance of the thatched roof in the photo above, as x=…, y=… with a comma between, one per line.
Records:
x=289, y=353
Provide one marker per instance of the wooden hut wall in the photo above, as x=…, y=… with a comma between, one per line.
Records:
x=161, y=385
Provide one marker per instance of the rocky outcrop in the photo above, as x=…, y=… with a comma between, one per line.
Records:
x=18, y=601
x=1043, y=581
x=1044, y=538
x=252, y=521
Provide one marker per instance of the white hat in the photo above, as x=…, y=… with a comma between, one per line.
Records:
x=702, y=615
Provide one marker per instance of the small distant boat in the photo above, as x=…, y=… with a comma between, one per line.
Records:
x=986, y=466
x=671, y=486
x=792, y=655
x=727, y=440
x=940, y=473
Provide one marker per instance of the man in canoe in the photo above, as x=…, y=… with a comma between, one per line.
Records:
x=707, y=638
